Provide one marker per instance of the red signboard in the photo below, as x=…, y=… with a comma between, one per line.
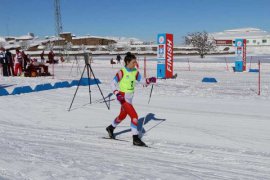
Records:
x=244, y=54
x=169, y=56
x=224, y=42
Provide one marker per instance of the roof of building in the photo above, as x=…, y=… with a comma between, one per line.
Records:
x=241, y=33
x=65, y=33
x=94, y=37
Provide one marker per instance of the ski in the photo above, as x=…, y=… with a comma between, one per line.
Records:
x=116, y=139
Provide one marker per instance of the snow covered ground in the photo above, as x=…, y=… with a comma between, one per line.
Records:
x=195, y=130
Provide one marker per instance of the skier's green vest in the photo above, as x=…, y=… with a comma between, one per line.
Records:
x=127, y=83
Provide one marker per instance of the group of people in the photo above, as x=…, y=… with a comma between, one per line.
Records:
x=12, y=65
x=118, y=59
x=6, y=62
x=19, y=63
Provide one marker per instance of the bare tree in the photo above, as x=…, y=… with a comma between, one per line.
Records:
x=111, y=47
x=25, y=45
x=126, y=47
x=201, y=41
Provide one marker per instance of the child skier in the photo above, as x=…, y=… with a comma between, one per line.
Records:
x=126, y=78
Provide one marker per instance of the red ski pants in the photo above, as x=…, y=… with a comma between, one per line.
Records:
x=18, y=67
x=127, y=109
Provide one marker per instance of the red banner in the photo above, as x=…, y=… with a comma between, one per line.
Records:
x=224, y=42
x=244, y=54
x=169, y=56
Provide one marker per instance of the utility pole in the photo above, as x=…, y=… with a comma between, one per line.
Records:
x=57, y=16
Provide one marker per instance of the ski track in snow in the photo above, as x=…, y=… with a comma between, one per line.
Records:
x=78, y=152
x=41, y=140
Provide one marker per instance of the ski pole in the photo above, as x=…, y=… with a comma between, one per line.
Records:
x=150, y=93
x=148, y=103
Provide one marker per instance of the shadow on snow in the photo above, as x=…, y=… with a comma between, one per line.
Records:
x=149, y=117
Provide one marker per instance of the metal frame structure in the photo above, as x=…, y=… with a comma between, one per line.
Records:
x=58, y=19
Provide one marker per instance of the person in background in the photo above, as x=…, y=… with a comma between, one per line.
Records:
x=18, y=63
x=123, y=86
x=51, y=57
x=3, y=61
x=42, y=57
x=118, y=58
x=10, y=63
x=25, y=60
x=2, y=55
x=62, y=58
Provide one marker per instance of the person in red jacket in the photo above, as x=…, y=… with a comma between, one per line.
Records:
x=18, y=63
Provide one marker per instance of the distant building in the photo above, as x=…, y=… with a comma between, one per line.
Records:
x=86, y=40
x=254, y=37
x=29, y=36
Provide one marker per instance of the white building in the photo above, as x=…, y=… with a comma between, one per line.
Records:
x=258, y=41
x=254, y=36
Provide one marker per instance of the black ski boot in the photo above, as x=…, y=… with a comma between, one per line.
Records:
x=137, y=141
x=110, y=129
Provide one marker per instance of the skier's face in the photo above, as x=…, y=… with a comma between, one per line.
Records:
x=132, y=64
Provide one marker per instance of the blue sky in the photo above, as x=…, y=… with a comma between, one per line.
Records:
x=143, y=19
